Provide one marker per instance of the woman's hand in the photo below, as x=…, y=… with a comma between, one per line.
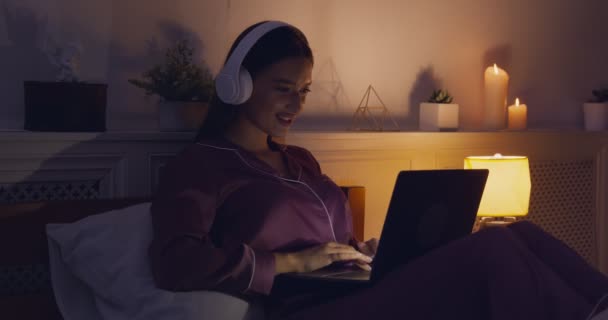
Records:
x=318, y=257
x=369, y=247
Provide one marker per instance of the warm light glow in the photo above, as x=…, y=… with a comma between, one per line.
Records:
x=495, y=69
x=507, y=191
x=517, y=102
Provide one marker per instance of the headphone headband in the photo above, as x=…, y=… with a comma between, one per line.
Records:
x=233, y=82
x=238, y=55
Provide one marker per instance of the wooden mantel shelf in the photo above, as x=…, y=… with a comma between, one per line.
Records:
x=6, y=136
x=337, y=135
x=571, y=163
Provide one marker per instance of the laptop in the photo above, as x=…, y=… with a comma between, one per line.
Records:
x=428, y=208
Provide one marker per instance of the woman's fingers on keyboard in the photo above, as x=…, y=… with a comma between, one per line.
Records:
x=363, y=266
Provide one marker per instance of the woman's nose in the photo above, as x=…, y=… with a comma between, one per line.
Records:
x=296, y=102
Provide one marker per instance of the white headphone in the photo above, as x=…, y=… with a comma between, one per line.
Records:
x=233, y=83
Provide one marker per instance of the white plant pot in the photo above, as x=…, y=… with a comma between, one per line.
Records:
x=596, y=116
x=181, y=115
x=438, y=116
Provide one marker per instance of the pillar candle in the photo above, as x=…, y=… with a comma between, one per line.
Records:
x=518, y=114
x=496, y=82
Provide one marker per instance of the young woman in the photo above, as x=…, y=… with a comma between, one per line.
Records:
x=236, y=209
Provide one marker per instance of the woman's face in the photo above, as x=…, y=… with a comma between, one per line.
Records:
x=279, y=93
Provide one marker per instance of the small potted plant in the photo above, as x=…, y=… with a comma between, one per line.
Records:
x=439, y=113
x=183, y=87
x=596, y=111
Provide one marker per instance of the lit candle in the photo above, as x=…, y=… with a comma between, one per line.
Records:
x=496, y=81
x=518, y=116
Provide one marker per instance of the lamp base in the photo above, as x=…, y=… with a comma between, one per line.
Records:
x=486, y=222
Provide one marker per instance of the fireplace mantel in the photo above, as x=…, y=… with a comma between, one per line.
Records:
x=569, y=169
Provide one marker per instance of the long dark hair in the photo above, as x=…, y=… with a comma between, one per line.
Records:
x=274, y=46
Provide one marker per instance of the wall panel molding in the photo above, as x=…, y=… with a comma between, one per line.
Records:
x=127, y=164
x=572, y=167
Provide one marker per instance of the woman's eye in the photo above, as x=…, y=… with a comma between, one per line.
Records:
x=287, y=90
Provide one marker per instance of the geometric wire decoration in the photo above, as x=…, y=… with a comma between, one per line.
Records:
x=365, y=113
x=51, y=190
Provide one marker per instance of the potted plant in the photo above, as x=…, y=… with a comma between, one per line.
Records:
x=183, y=87
x=67, y=104
x=439, y=113
x=596, y=111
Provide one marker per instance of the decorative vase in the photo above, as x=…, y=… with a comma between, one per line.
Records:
x=65, y=106
x=438, y=116
x=181, y=115
x=596, y=116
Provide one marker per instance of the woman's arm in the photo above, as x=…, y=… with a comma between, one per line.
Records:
x=184, y=258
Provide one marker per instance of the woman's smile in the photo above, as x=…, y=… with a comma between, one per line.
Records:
x=285, y=119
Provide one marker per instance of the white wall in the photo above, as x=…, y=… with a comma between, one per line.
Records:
x=554, y=51
x=25, y=27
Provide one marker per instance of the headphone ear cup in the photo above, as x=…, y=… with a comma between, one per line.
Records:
x=245, y=86
x=225, y=87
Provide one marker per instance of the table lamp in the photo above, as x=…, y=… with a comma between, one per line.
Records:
x=506, y=195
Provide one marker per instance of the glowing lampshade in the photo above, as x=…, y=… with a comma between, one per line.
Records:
x=507, y=191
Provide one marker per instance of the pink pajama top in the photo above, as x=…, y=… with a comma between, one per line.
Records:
x=220, y=213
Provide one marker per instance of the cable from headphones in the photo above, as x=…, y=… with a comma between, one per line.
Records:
x=592, y=314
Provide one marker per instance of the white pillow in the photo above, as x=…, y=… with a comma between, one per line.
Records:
x=100, y=270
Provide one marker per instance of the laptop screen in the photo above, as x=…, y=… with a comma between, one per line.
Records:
x=428, y=208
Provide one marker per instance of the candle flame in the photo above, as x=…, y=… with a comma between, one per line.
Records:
x=495, y=69
x=517, y=102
